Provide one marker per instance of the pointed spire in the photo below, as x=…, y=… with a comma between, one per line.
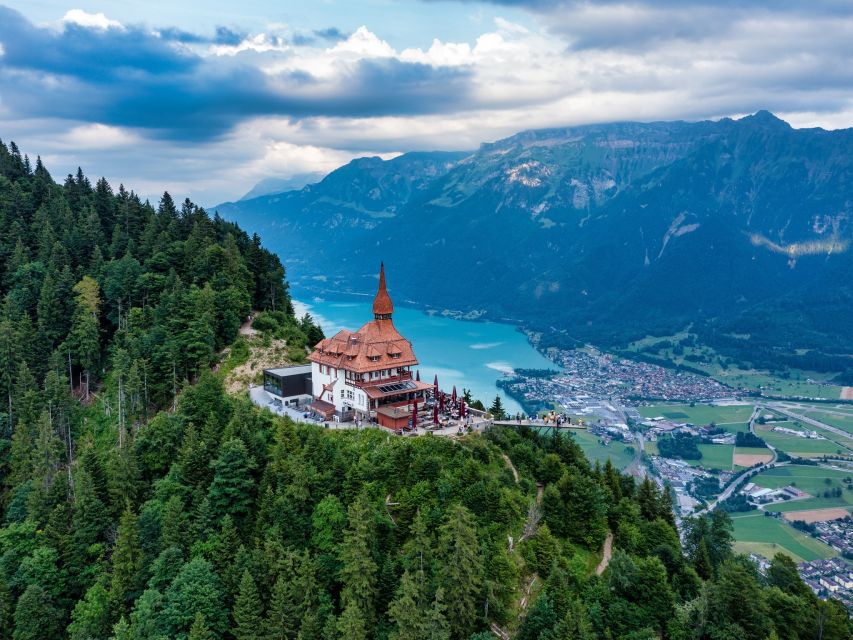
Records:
x=382, y=305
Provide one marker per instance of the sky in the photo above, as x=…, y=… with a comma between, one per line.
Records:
x=206, y=98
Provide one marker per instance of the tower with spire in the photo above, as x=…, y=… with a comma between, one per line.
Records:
x=367, y=373
x=383, y=308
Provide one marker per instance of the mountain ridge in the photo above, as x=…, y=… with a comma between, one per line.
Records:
x=612, y=230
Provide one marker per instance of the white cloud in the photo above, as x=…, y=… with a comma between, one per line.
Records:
x=97, y=136
x=441, y=54
x=260, y=43
x=90, y=20
x=362, y=43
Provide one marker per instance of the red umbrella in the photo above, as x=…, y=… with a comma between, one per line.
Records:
x=418, y=375
x=453, y=395
x=462, y=408
x=415, y=413
x=435, y=413
x=435, y=386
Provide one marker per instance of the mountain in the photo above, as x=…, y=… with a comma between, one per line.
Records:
x=270, y=186
x=604, y=232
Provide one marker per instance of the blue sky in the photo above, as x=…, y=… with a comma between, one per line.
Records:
x=207, y=98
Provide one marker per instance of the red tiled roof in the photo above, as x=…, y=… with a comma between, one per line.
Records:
x=368, y=349
x=376, y=346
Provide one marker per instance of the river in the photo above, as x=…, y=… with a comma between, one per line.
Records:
x=468, y=354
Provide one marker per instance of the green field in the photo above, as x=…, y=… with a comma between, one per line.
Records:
x=812, y=480
x=794, y=445
x=620, y=454
x=714, y=456
x=734, y=427
x=755, y=532
x=838, y=419
x=701, y=414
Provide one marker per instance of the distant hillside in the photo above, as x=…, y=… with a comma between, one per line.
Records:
x=602, y=232
x=269, y=186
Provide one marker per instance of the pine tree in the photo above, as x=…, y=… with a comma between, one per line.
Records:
x=85, y=330
x=436, y=626
x=36, y=616
x=461, y=571
x=123, y=473
x=648, y=499
x=232, y=488
x=173, y=524
x=199, y=630
x=351, y=624
x=127, y=564
x=575, y=624
x=702, y=561
x=667, y=500
x=91, y=615
x=248, y=614
x=406, y=610
x=359, y=571
x=89, y=523
x=195, y=589
x=497, y=409
x=122, y=630
x=282, y=622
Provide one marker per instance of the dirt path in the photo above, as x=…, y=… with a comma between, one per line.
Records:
x=606, y=554
x=511, y=466
x=246, y=328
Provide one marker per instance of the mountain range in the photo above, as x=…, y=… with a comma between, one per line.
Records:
x=738, y=229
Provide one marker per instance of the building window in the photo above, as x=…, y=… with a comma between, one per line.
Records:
x=342, y=393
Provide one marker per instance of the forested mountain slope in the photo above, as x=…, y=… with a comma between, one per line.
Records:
x=607, y=233
x=139, y=501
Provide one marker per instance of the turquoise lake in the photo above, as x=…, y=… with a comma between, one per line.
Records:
x=471, y=355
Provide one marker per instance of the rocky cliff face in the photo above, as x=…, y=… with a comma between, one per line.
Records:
x=606, y=230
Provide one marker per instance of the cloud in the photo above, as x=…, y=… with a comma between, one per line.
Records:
x=135, y=78
x=331, y=33
x=97, y=136
x=90, y=20
x=222, y=36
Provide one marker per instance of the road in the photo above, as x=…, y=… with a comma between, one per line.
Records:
x=637, y=468
x=736, y=481
x=785, y=410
